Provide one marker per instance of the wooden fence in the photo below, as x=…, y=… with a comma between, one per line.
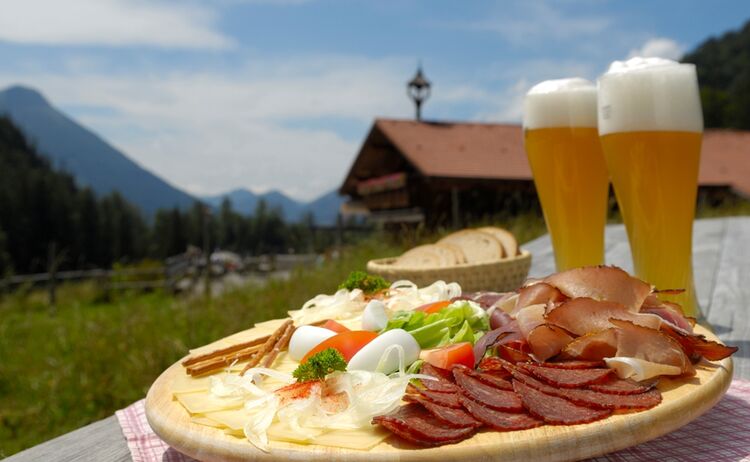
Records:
x=165, y=277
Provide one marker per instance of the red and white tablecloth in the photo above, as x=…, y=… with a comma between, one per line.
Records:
x=720, y=435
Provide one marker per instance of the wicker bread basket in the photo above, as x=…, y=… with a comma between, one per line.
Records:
x=501, y=276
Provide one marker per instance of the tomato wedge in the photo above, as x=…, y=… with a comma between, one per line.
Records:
x=446, y=357
x=347, y=343
x=434, y=307
x=334, y=326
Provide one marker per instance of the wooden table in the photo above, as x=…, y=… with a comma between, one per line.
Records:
x=722, y=276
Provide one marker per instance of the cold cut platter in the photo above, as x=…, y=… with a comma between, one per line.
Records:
x=554, y=371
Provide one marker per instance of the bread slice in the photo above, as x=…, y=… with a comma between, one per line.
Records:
x=455, y=250
x=477, y=246
x=506, y=238
x=428, y=256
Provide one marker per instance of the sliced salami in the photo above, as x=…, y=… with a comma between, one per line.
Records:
x=573, y=364
x=443, y=399
x=495, y=364
x=502, y=400
x=449, y=416
x=413, y=423
x=554, y=410
x=499, y=420
x=495, y=380
x=618, y=386
x=567, y=378
x=444, y=382
x=593, y=399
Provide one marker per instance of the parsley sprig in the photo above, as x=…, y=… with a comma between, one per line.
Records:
x=368, y=283
x=319, y=365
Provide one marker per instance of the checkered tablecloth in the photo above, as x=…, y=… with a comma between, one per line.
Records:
x=720, y=435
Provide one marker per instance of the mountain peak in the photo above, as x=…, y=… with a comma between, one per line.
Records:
x=20, y=96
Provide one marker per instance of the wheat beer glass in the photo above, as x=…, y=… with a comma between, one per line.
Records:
x=651, y=125
x=562, y=143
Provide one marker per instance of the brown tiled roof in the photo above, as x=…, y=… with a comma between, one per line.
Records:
x=495, y=151
x=725, y=159
x=473, y=150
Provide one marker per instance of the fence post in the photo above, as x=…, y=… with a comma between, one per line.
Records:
x=52, y=270
x=207, y=250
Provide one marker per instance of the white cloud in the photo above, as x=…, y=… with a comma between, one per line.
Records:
x=538, y=21
x=659, y=47
x=212, y=132
x=110, y=23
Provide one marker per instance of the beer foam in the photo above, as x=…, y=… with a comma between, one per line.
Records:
x=560, y=103
x=649, y=94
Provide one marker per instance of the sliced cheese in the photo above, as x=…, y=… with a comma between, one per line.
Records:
x=201, y=402
x=232, y=419
x=186, y=384
x=363, y=439
x=281, y=432
x=203, y=420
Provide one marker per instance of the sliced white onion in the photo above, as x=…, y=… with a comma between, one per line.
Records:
x=639, y=369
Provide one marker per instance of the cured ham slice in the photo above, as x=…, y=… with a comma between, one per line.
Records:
x=669, y=312
x=593, y=347
x=618, y=386
x=413, y=423
x=443, y=399
x=486, y=377
x=652, y=345
x=488, y=395
x=537, y=294
x=602, y=283
x=590, y=398
x=529, y=317
x=585, y=315
x=697, y=345
x=499, y=420
x=449, y=416
x=567, y=378
x=547, y=340
x=554, y=410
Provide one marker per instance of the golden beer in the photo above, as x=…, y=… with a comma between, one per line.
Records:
x=562, y=144
x=651, y=124
x=571, y=179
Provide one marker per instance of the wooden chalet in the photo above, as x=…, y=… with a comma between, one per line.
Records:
x=441, y=173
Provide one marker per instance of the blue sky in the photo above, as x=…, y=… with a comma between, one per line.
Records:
x=278, y=94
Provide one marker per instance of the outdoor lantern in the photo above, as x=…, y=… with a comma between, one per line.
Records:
x=419, y=90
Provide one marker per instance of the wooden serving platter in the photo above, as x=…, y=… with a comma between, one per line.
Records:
x=684, y=400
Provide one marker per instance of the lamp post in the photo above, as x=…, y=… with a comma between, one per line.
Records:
x=418, y=90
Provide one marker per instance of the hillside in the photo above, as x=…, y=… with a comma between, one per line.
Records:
x=39, y=205
x=724, y=75
x=90, y=159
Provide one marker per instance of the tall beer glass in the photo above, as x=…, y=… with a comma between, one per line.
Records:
x=651, y=125
x=570, y=175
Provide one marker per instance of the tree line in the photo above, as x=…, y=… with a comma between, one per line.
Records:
x=723, y=66
x=39, y=206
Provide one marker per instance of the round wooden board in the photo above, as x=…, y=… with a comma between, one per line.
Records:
x=684, y=400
